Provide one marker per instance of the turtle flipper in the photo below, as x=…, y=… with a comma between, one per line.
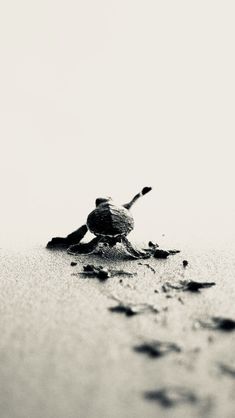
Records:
x=73, y=238
x=136, y=197
x=76, y=236
x=132, y=251
x=57, y=242
x=84, y=248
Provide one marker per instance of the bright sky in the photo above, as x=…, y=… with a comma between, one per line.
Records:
x=105, y=97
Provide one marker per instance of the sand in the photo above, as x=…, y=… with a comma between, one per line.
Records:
x=64, y=354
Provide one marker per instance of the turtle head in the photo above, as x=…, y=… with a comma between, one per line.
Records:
x=100, y=200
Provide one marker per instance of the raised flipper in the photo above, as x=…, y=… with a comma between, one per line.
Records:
x=84, y=248
x=73, y=238
x=132, y=251
x=144, y=191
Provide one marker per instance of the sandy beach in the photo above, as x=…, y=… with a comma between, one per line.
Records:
x=64, y=353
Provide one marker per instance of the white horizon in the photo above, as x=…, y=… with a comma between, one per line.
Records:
x=104, y=98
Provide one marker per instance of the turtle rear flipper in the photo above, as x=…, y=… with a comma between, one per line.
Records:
x=83, y=248
x=132, y=251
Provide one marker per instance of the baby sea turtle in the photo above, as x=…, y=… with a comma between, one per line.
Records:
x=110, y=224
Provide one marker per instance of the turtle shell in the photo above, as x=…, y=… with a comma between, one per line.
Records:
x=109, y=219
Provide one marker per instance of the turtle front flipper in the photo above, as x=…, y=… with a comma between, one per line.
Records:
x=144, y=191
x=132, y=251
x=73, y=238
x=83, y=248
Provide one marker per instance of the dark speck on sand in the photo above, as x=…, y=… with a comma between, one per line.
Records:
x=194, y=286
x=227, y=369
x=148, y=266
x=133, y=309
x=102, y=273
x=171, y=396
x=191, y=286
x=161, y=253
x=156, y=349
x=219, y=323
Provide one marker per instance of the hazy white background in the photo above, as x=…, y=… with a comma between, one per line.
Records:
x=105, y=97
